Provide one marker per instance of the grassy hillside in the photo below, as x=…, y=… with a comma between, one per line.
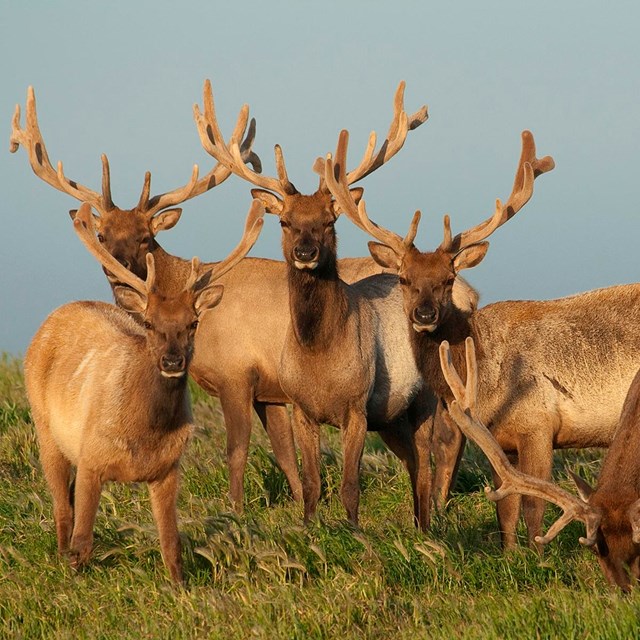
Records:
x=264, y=575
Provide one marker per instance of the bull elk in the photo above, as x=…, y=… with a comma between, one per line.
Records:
x=110, y=398
x=347, y=357
x=611, y=512
x=238, y=345
x=536, y=394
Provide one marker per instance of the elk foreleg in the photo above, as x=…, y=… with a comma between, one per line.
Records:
x=307, y=435
x=535, y=455
x=353, y=436
x=57, y=472
x=507, y=511
x=448, y=447
x=276, y=421
x=88, y=487
x=164, y=496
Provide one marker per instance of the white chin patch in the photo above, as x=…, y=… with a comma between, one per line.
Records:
x=424, y=327
x=305, y=265
x=172, y=374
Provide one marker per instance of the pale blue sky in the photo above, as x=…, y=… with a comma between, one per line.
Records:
x=121, y=77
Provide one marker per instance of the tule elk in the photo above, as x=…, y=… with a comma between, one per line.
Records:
x=109, y=396
x=611, y=512
x=346, y=359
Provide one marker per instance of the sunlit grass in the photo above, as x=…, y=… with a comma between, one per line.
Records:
x=263, y=575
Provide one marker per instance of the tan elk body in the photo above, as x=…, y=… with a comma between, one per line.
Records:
x=237, y=345
x=611, y=512
x=109, y=396
x=347, y=358
x=553, y=374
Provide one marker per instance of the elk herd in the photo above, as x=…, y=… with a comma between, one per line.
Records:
x=376, y=343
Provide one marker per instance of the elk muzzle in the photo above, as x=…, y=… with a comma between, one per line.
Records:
x=306, y=256
x=173, y=365
x=425, y=318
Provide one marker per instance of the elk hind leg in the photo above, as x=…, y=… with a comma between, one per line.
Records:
x=276, y=421
x=236, y=405
x=87, y=496
x=57, y=472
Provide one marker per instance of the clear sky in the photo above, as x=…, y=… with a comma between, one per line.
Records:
x=121, y=77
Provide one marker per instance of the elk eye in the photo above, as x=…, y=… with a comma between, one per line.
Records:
x=330, y=224
x=284, y=224
x=403, y=281
x=145, y=242
x=147, y=325
x=100, y=238
x=194, y=324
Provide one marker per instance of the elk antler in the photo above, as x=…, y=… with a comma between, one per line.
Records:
x=83, y=225
x=213, y=143
x=463, y=411
x=337, y=181
x=529, y=168
x=230, y=155
x=31, y=139
x=400, y=126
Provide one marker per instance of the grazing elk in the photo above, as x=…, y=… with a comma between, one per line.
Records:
x=611, y=512
x=347, y=357
x=553, y=373
x=238, y=345
x=110, y=397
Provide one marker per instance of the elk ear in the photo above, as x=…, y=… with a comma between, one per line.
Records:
x=585, y=490
x=208, y=298
x=165, y=220
x=129, y=299
x=74, y=212
x=383, y=255
x=271, y=202
x=634, y=517
x=470, y=256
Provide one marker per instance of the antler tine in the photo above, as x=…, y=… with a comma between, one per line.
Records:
x=84, y=228
x=252, y=228
x=462, y=410
x=31, y=139
x=529, y=168
x=400, y=126
x=230, y=156
x=195, y=272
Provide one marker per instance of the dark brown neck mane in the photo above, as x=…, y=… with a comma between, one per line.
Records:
x=459, y=325
x=318, y=304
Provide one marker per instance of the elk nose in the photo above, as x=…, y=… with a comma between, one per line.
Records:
x=172, y=363
x=305, y=253
x=425, y=314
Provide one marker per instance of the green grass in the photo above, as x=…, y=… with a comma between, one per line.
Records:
x=264, y=575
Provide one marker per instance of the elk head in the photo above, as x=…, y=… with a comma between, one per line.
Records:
x=170, y=321
x=611, y=517
x=127, y=234
x=428, y=278
x=308, y=236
